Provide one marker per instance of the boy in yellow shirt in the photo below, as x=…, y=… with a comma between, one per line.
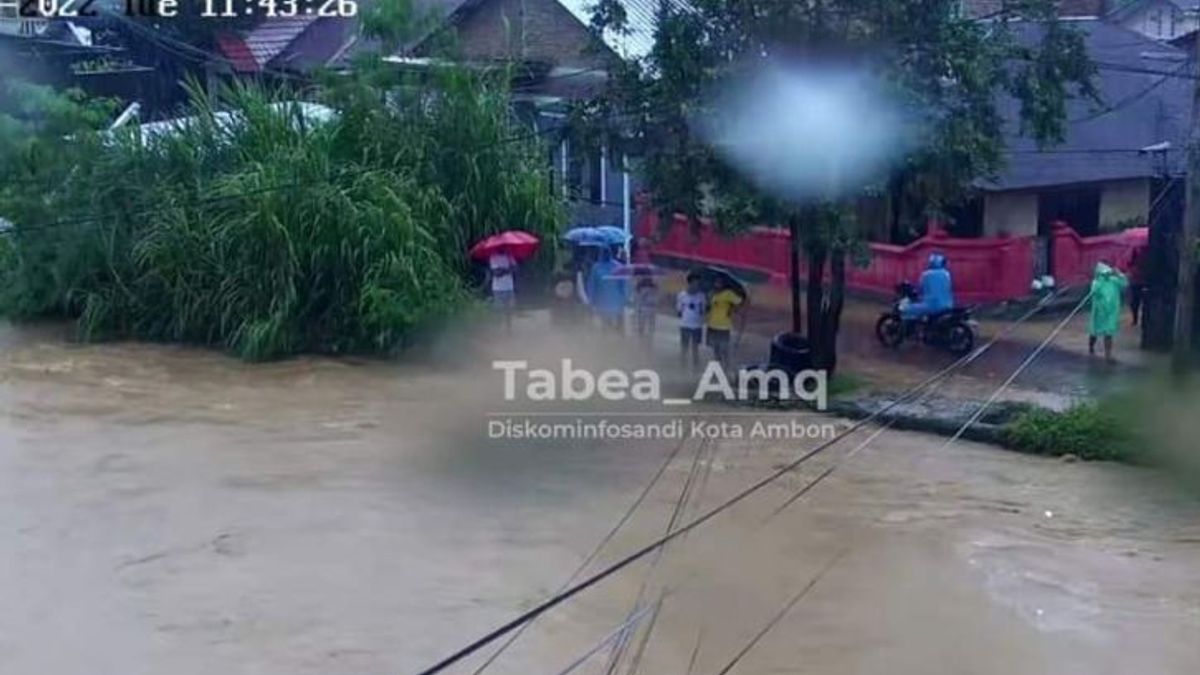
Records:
x=721, y=308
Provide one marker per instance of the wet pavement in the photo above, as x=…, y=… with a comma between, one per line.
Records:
x=171, y=510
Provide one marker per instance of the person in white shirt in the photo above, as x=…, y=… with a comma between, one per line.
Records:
x=501, y=268
x=691, y=305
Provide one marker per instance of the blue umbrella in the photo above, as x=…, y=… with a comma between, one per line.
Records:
x=605, y=235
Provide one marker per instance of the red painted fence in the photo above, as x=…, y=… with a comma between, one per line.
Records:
x=1075, y=257
x=990, y=269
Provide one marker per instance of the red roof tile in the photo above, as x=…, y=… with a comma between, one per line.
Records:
x=234, y=49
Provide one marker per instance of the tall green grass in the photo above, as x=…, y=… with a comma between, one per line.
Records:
x=273, y=235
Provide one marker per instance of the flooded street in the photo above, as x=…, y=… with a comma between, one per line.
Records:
x=171, y=510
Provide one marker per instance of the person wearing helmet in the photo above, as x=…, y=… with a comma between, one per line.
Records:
x=937, y=290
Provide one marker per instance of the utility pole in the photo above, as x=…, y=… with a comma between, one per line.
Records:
x=1189, y=236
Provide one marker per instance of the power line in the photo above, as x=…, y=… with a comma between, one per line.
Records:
x=595, y=551
x=191, y=52
x=1016, y=373
x=962, y=362
x=558, y=598
x=1131, y=98
x=787, y=608
x=958, y=434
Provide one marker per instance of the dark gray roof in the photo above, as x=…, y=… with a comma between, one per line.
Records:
x=1123, y=9
x=1141, y=107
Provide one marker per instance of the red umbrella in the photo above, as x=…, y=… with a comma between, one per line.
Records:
x=520, y=245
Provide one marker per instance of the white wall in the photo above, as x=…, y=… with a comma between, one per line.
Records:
x=1014, y=213
x=1122, y=201
x=1155, y=20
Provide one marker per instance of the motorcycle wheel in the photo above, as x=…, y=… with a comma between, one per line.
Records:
x=890, y=330
x=961, y=339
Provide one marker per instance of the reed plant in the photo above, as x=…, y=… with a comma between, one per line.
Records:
x=261, y=228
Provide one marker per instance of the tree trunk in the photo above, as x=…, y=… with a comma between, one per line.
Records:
x=832, y=322
x=1185, y=289
x=817, y=255
x=1189, y=234
x=895, y=207
x=794, y=273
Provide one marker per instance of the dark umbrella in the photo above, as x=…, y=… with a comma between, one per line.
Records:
x=709, y=275
x=708, y=280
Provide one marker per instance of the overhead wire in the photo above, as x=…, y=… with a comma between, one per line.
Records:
x=1005, y=332
x=677, y=512
x=624, y=562
x=596, y=550
x=1017, y=373
x=972, y=419
x=616, y=634
x=783, y=612
x=1131, y=98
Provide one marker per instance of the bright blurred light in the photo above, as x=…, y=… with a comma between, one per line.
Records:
x=804, y=133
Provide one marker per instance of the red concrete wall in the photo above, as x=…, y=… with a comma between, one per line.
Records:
x=985, y=270
x=1075, y=257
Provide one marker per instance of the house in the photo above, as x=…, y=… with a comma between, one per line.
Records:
x=559, y=59
x=1053, y=211
x=1117, y=158
x=1158, y=19
x=65, y=54
x=987, y=9
x=287, y=45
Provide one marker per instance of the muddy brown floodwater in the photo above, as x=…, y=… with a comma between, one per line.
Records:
x=169, y=510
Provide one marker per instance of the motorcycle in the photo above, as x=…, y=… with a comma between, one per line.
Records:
x=953, y=330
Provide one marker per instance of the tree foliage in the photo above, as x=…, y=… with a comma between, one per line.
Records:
x=951, y=72
x=259, y=227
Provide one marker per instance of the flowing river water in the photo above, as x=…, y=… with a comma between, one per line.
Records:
x=171, y=510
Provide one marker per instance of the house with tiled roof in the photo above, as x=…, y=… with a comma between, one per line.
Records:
x=298, y=44
x=1158, y=19
x=559, y=59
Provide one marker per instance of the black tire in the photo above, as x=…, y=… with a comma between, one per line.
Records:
x=791, y=353
x=961, y=339
x=890, y=331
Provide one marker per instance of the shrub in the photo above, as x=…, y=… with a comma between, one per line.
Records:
x=264, y=232
x=1095, y=431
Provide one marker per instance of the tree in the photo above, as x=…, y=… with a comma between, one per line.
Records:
x=949, y=70
x=256, y=225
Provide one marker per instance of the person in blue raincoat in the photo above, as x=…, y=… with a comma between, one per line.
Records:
x=937, y=290
x=607, y=293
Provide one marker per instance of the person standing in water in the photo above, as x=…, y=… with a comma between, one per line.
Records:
x=691, y=305
x=1107, y=287
x=501, y=268
x=645, y=307
x=724, y=303
x=1137, y=283
x=608, y=293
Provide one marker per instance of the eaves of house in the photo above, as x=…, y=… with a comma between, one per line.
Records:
x=1146, y=98
x=297, y=44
